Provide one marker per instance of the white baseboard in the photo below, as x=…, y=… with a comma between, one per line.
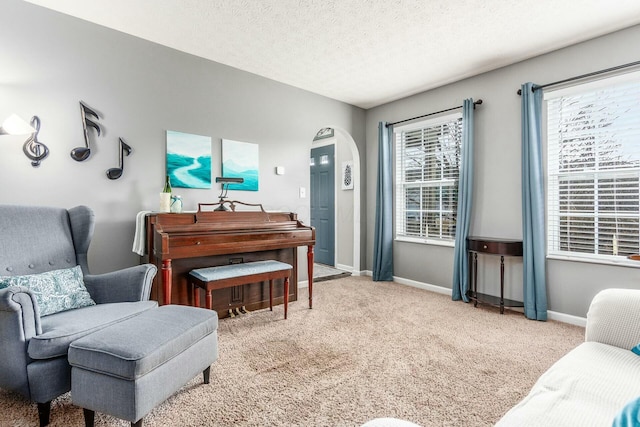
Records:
x=567, y=318
x=415, y=284
x=350, y=269
x=421, y=285
x=303, y=284
x=344, y=267
x=551, y=315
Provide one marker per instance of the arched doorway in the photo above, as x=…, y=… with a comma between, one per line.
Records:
x=347, y=198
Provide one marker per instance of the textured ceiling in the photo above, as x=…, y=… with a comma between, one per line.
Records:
x=363, y=52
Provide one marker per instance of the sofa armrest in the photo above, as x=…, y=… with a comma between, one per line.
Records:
x=19, y=322
x=614, y=318
x=18, y=306
x=127, y=285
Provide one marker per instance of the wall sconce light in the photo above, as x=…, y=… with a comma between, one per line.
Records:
x=324, y=133
x=32, y=148
x=14, y=125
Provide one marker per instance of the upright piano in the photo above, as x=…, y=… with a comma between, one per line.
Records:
x=179, y=242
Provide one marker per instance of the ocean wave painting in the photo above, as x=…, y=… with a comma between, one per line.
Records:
x=188, y=160
x=241, y=160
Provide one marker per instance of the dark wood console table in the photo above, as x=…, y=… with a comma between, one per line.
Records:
x=491, y=246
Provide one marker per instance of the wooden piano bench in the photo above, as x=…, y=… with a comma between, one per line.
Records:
x=226, y=276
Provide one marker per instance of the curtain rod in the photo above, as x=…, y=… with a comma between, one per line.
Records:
x=478, y=102
x=595, y=73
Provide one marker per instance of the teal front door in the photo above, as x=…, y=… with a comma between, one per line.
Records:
x=322, y=194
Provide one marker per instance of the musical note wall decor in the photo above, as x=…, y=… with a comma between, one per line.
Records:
x=82, y=153
x=35, y=150
x=115, y=173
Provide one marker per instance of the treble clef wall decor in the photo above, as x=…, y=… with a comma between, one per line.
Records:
x=35, y=150
x=115, y=173
x=82, y=153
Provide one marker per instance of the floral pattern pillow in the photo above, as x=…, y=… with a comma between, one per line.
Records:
x=55, y=291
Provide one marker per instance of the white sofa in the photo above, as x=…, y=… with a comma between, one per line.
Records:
x=591, y=384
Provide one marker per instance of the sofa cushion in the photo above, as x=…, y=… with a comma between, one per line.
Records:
x=61, y=329
x=55, y=290
x=589, y=386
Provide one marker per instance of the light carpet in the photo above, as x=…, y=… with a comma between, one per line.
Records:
x=366, y=350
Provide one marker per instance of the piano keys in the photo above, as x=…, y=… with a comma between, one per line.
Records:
x=177, y=243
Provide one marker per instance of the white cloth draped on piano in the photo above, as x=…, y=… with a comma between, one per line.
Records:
x=141, y=234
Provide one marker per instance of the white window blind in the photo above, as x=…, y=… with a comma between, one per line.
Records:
x=593, y=140
x=427, y=174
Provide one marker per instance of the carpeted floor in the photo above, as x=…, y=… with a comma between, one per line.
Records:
x=366, y=350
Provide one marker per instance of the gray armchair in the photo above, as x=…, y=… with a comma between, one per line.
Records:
x=33, y=354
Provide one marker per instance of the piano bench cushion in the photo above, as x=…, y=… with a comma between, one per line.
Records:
x=223, y=272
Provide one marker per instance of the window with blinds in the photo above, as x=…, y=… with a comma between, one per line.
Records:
x=593, y=142
x=427, y=173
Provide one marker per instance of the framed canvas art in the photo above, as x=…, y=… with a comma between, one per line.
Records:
x=188, y=160
x=240, y=160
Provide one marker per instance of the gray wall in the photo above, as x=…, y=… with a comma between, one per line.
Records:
x=51, y=61
x=497, y=196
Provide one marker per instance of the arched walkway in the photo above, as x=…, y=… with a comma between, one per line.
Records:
x=341, y=136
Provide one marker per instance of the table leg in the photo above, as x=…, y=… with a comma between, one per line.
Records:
x=501, y=284
x=286, y=296
x=166, y=281
x=271, y=294
x=475, y=278
x=470, y=275
x=310, y=273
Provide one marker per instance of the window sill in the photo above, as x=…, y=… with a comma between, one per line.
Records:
x=616, y=261
x=424, y=241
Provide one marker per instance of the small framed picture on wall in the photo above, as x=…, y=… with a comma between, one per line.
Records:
x=347, y=175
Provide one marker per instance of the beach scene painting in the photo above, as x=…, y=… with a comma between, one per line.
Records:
x=240, y=160
x=188, y=160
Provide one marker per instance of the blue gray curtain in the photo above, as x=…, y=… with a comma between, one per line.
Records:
x=465, y=199
x=383, y=238
x=533, y=231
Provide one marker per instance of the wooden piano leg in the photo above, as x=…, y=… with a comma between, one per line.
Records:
x=166, y=281
x=310, y=273
x=209, y=300
x=196, y=295
x=286, y=296
x=271, y=294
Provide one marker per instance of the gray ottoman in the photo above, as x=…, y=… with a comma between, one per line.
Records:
x=129, y=368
